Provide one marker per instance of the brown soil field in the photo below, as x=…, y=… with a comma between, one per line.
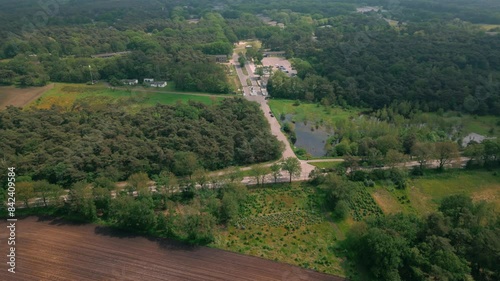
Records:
x=57, y=250
x=20, y=97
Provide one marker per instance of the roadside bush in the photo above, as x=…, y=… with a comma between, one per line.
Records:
x=398, y=177
x=379, y=174
x=341, y=210
x=417, y=171
x=369, y=183
x=359, y=176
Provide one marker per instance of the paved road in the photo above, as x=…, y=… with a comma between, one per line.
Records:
x=275, y=126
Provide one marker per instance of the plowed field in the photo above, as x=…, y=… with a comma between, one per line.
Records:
x=56, y=250
x=20, y=97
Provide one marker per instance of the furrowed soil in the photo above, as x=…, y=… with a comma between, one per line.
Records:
x=58, y=250
x=20, y=97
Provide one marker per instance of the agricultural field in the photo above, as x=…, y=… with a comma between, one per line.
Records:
x=310, y=112
x=20, y=97
x=423, y=195
x=282, y=222
x=65, y=96
x=70, y=251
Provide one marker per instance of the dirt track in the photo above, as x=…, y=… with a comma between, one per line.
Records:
x=20, y=97
x=55, y=250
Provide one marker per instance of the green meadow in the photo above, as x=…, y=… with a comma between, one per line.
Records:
x=67, y=95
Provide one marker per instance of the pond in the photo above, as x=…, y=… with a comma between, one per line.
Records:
x=309, y=137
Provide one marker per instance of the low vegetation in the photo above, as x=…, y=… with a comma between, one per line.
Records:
x=280, y=222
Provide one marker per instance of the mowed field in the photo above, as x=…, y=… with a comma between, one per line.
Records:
x=423, y=195
x=20, y=97
x=67, y=95
x=56, y=250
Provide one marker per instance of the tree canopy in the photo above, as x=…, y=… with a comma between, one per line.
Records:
x=84, y=144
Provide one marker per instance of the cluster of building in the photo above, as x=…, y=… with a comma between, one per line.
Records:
x=147, y=82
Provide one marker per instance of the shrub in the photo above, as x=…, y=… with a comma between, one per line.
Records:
x=341, y=209
x=369, y=183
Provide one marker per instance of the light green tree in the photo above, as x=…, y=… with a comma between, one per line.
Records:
x=292, y=166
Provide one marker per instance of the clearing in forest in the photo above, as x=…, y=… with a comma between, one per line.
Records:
x=285, y=223
x=422, y=196
x=68, y=96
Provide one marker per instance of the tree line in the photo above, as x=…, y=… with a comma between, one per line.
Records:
x=136, y=207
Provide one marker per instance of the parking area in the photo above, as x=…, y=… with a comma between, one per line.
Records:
x=279, y=63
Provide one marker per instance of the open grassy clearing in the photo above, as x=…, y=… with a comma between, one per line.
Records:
x=284, y=222
x=311, y=112
x=488, y=27
x=483, y=125
x=233, y=78
x=424, y=194
x=326, y=165
x=65, y=96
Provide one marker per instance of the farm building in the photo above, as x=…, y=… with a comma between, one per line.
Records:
x=130, y=82
x=148, y=80
x=158, y=84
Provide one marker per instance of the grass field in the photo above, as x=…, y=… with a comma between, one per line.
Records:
x=284, y=223
x=326, y=165
x=233, y=78
x=488, y=27
x=65, y=96
x=483, y=125
x=423, y=195
x=310, y=112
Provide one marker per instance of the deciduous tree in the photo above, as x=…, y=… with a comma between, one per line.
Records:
x=292, y=166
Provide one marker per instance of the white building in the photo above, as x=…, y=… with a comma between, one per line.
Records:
x=148, y=80
x=158, y=84
x=130, y=82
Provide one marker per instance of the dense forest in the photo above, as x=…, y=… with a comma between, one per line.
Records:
x=459, y=242
x=363, y=61
x=83, y=144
